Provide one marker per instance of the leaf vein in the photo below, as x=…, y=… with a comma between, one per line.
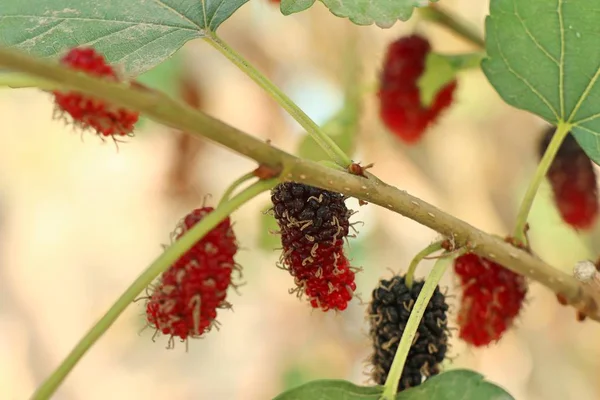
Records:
x=532, y=37
x=584, y=95
x=91, y=42
x=561, y=65
x=174, y=11
x=144, y=45
x=586, y=119
x=526, y=82
x=49, y=29
x=106, y=21
x=209, y=24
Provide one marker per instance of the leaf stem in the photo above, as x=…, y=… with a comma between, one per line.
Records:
x=436, y=14
x=328, y=145
x=562, y=131
x=178, y=248
x=408, y=336
x=432, y=248
x=235, y=185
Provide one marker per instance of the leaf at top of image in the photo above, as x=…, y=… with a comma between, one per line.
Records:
x=383, y=13
x=135, y=34
x=543, y=57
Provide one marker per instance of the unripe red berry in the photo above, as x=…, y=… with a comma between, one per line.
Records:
x=89, y=112
x=400, y=107
x=573, y=180
x=492, y=297
x=184, y=303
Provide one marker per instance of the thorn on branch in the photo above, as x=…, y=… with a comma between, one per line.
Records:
x=357, y=169
x=264, y=172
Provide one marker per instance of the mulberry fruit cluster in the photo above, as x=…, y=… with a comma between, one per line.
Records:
x=313, y=224
x=492, y=297
x=573, y=180
x=400, y=107
x=89, y=112
x=391, y=305
x=184, y=303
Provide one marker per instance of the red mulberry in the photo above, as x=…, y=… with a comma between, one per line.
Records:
x=492, y=296
x=89, y=112
x=313, y=224
x=184, y=303
x=400, y=106
x=573, y=182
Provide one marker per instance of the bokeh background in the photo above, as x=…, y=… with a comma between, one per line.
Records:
x=79, y=220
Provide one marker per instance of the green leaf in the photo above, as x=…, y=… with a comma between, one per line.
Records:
x=543, y=58
x=136, y=34
x=459, y=384
x=331, y=389
x=384, y=13
x=295, y=6
x=440, y=70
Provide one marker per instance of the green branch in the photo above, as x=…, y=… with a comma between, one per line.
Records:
x=408, y=336
x=15, y=80
x=559, y=136
x=436, y=14
x=432, y=248
x=322, y=139
x=235, y=185
x=178, y=115
x=176, y=250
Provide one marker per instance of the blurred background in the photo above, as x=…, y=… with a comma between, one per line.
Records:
x=80, y=219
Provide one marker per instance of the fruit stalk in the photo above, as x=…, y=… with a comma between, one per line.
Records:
x=562, y=130
x=410, y=274
x=175, y=114
x=437, y=15
x=235, y=185
x=326, y=143
x=178, y=248
x=393, y=379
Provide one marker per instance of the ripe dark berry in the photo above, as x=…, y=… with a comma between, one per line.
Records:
x=492, y=296
x=388, y=314
x=313, y=223
x=184, y=303
x=89, y=112
x=400, y=107
x=573, y=182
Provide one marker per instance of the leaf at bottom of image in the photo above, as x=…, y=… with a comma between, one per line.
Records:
x=458, y=384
